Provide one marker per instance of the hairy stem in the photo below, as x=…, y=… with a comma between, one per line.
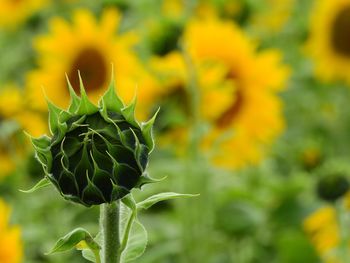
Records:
x=109, y=225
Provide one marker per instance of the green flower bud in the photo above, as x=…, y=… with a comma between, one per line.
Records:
x=333, y=186
x=96, y=154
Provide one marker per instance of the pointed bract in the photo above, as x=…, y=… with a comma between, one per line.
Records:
x=74, y=98
x=85, y=106
x=128, y=113
x=147, y=131
x=54, y=113
x=111, y=100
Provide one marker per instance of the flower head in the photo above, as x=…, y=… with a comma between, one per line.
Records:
x=14, y=13
x=329, y=41
x=96, y=154
x=237, y=89
x=90, y=46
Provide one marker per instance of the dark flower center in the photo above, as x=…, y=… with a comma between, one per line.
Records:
x=340, y=35
x=91, y=64
x=226, y=118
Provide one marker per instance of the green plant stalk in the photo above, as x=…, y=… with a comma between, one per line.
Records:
x=197, y=220
x=110, y=228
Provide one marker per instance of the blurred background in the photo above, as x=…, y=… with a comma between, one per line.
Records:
x=254, y=115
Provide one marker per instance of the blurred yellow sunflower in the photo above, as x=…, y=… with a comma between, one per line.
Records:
x=10, y=240
x=323, y=230
x=237, y=91
x=15, y=12
x=91, y=47
x=14, y=106
x=329, y=41
x=254, y=118
x=16, y=116
x=271, y=16
x=175, y=77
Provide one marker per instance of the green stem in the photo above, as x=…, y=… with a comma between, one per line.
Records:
x=109, y=224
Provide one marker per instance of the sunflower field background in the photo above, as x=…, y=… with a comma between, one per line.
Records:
x=254, y=116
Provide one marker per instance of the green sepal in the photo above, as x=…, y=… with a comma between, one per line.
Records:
x=42, y=150
x=110, y=100
x=70, y=241
x=140, y=153
x=54, y=113
x=128, y=113
x=147, y=131
x=41, y=184
x=74, y=98
x=85, y=105
x=92, y=190
x=60, y=134
x=146, y=179
x=68, y=174
x=42, y=142
x=77, y=123
x=147, y=203
x=118, y=192
x=64, y=116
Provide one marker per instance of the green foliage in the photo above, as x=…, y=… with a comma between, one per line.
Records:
x=72, y=239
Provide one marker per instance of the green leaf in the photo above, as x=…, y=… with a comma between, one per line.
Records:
x=111, y=100
x=128, y=113
x=147, y=203
x=74, y=98
x=85, y=106
x=54, y=113
x=137, y=243
x=41, y=184
x=72, y=239
x=88, y=254
x=147, y=131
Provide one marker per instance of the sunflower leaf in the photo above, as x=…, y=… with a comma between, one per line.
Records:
x=136, y=244
x=72, y=239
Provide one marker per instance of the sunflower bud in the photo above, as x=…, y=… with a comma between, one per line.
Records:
x=332, y=187
x=96, y=154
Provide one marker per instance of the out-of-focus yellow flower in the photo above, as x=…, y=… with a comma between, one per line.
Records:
x=90, y=47
x=323, y=229
x=175, y=77
x=173, y=8
x=329, y=40
x=271, y=16
x=226, y=9
x=15, y=12
x=16, y=116
x=237, y=90
x=14, y=106
x=10, y=241
x=253, y=119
